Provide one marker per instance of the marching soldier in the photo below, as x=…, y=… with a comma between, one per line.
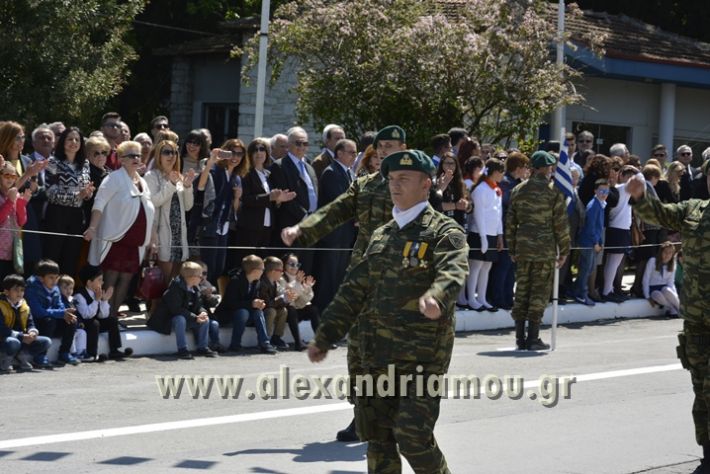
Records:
x=402, y=292
x=368, y=202
x=692, y=219
x=538, y=238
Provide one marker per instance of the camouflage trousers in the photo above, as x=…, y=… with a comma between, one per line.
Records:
x=400, y=425
x=533, y=288
x=694, y=353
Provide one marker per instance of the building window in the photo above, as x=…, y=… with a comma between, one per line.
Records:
x=222, y=120
x=604, y=135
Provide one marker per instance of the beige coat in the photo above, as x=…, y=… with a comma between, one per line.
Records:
x=161, y=193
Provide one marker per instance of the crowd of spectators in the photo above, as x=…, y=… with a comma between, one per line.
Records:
x=185, y=203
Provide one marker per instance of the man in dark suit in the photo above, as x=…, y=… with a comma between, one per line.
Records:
x=332, y=134
x=293, y=173
x=331, y=265
x=684, y=155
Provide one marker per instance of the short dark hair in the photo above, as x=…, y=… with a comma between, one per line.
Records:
x=440, y=140
x=456, y=134
x=13, y=281
x=110, y=115
x=89, y=273
x=157, y=119
x=47, y=267
x=272, y=263
x=367, y=139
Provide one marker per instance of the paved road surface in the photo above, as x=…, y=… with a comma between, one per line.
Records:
x=628, y=412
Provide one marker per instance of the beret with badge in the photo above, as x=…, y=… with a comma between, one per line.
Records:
x=390, y=132
x=540, y=159
x=408, y=160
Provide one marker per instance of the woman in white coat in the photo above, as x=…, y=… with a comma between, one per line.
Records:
x=121, y=223
x=485, y=237
x=172, y=197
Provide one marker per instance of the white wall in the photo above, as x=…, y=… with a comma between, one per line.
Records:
x=636, y=105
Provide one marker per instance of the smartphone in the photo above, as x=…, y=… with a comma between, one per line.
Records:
x=224, y=154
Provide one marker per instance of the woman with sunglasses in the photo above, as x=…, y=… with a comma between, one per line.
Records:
x=121, y=223
x=171, y=194
x=96, y=150
x=255, y=218
x=226, y=167
x=68, y=186
x=12, y=141
x=193, y=155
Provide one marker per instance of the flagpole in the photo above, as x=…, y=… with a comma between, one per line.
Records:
x=261, y=69
x=558, y=118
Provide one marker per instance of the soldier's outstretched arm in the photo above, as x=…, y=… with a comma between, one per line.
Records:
x=668, y=216
x=450, y=261
x=331, y=216
x=342, y=312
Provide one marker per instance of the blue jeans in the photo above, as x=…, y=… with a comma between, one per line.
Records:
x=213, y=332
x=12, y=345
x=587, y=257
x=180, y=325
x=239, y=322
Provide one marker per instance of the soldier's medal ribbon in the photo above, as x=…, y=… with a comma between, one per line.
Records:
x=422, y=251
x=405, y=253
x=413, y=262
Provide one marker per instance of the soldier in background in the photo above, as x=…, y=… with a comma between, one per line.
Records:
x=692, y=219
x=402, y=293
x=538, y=238
x=367, y=201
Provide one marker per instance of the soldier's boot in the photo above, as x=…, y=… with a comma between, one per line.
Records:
x=533, y=342
x=520, y=335
x=348, y=435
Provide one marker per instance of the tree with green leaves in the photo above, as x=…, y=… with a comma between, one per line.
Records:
x=485, y=64
x=63, y=60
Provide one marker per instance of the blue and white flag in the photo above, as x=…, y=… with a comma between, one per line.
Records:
x=563, y=177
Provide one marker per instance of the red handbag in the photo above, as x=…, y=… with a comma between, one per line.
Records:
x=152, y=283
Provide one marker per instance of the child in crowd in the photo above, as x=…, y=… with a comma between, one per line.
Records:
x=92, y=305
x=659, y=280
x=181, y=308
x=18, y=335
x=241, y=303
x=275, y=312
x=300, y=308
x=52, y=318
x=66, y=289
x=209, y=298
x=590, y=240
x=13, y=215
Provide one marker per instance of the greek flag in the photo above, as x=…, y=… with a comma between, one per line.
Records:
x=563, y=177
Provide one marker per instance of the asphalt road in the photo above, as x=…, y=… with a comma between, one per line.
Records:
x=628, y=412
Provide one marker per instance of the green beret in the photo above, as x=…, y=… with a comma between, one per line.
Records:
x=541, y=158
x=408, y=160
x=705, y=167
x=390, y=132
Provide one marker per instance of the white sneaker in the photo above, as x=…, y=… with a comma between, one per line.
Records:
x=24, y=360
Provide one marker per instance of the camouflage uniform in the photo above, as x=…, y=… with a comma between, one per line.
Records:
x=692, y=219
x=428, y=255
x=367, y=201
x=536, y=227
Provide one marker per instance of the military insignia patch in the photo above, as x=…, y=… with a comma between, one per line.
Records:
x=395, y=135
x=457, y=240
x=406, y=160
